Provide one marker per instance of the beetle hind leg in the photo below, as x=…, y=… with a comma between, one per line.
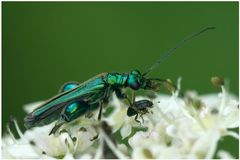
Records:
x=58, y=124
x=89, y=114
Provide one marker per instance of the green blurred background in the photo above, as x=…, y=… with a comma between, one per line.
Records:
x=46, y=44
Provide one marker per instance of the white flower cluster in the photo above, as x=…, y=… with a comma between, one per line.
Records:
x=188, y=127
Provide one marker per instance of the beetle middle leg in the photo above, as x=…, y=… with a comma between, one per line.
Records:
x=102, y=101
x=136, y=118
x=141, y=115
x=57, y=125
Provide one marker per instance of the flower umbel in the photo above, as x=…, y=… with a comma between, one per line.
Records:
x=176, y=127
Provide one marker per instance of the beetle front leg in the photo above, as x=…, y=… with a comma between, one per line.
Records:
x=133, y=97
x=121, y=95
x=100, y=111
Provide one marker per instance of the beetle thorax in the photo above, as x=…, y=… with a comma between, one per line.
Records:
x=116, y=79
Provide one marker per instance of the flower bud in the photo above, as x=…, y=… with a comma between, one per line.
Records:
x=217, y=81
x=169, y=85
x=147, y=153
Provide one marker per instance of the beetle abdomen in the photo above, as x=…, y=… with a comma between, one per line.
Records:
x=143, y=104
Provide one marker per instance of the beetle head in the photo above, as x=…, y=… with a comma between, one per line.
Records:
x=135, y=80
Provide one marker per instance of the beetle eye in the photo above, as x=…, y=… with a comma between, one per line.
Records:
x=135, y=85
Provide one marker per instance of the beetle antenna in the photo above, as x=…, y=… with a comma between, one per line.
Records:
x=172, y=50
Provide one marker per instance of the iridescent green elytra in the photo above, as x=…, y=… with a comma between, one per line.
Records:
x=75, y=100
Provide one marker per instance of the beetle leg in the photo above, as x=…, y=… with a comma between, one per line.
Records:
x=136, y=118
x=95, y=137
x=100, y=111
x=103, y=101
x=121, y=95
x=89, y=114
x=58, y=124
x=142, y=118
x=133, y=97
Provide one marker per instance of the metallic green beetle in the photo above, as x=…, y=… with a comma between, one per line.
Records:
x=77, y=99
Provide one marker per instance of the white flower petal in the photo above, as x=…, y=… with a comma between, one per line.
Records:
x=205, y=146
x=39, y=135
x=211, y=100
x=123, y=148
x=136, y=140
x=116, y=119
x=20, y=151
x=224, y=155
x=126, y=130
x=171, y=131
x=84, y=140
x=7, y=140
x=230, y=116
x=141, y=153
x=85, y=156
x=69, y=156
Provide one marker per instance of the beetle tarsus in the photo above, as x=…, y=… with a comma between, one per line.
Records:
x=94, y=138
x=89, y=114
